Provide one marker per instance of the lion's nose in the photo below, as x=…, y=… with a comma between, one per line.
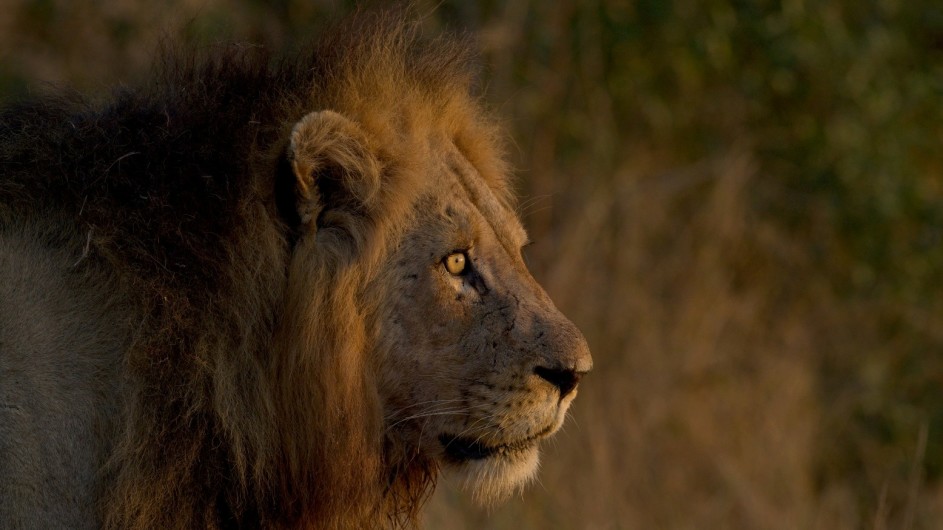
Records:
x=566, y=380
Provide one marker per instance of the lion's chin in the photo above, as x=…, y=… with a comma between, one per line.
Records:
x=495, y=476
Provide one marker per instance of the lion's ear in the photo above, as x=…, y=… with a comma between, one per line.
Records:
x=333, y=165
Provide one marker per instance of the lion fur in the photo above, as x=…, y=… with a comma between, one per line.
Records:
x=241, y=395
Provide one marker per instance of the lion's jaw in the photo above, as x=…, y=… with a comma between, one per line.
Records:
x=477, y=367
x=493, y=472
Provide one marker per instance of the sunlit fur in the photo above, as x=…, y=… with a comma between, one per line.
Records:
x=235, y=237
x=493, y=480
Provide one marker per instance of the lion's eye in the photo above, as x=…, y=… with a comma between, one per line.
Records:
x=455, y=263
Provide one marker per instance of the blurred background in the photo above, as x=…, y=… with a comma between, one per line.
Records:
x=739, y=202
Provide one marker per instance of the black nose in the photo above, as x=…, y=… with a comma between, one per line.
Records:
x=565, y=380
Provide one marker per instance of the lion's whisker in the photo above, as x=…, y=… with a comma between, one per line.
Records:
x=426, y=415
x=433, y=409
x=434, y=402
x=526, y=205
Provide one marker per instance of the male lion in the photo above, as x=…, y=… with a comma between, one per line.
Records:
x=258, y=293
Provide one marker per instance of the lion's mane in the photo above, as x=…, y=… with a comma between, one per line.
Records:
x=247, y=401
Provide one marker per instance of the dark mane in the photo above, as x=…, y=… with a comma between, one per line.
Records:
x=176, y=188
x=165, y=168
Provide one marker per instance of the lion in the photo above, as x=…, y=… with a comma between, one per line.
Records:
x=258, y=292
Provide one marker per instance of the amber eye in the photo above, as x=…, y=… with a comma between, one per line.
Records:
x=455, y=263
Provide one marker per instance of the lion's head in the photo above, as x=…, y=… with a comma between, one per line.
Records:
x=473, y=363
x=469, y=362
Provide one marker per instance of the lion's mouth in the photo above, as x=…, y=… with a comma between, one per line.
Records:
x=461, y=449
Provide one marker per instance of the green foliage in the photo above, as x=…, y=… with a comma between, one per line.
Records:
x=841, y=104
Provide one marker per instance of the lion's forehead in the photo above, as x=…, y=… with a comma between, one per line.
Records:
x=467, y=186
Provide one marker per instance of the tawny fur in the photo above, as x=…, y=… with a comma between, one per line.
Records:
x=219, y=237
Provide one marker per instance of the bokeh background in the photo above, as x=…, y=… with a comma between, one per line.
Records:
x=739, y=202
